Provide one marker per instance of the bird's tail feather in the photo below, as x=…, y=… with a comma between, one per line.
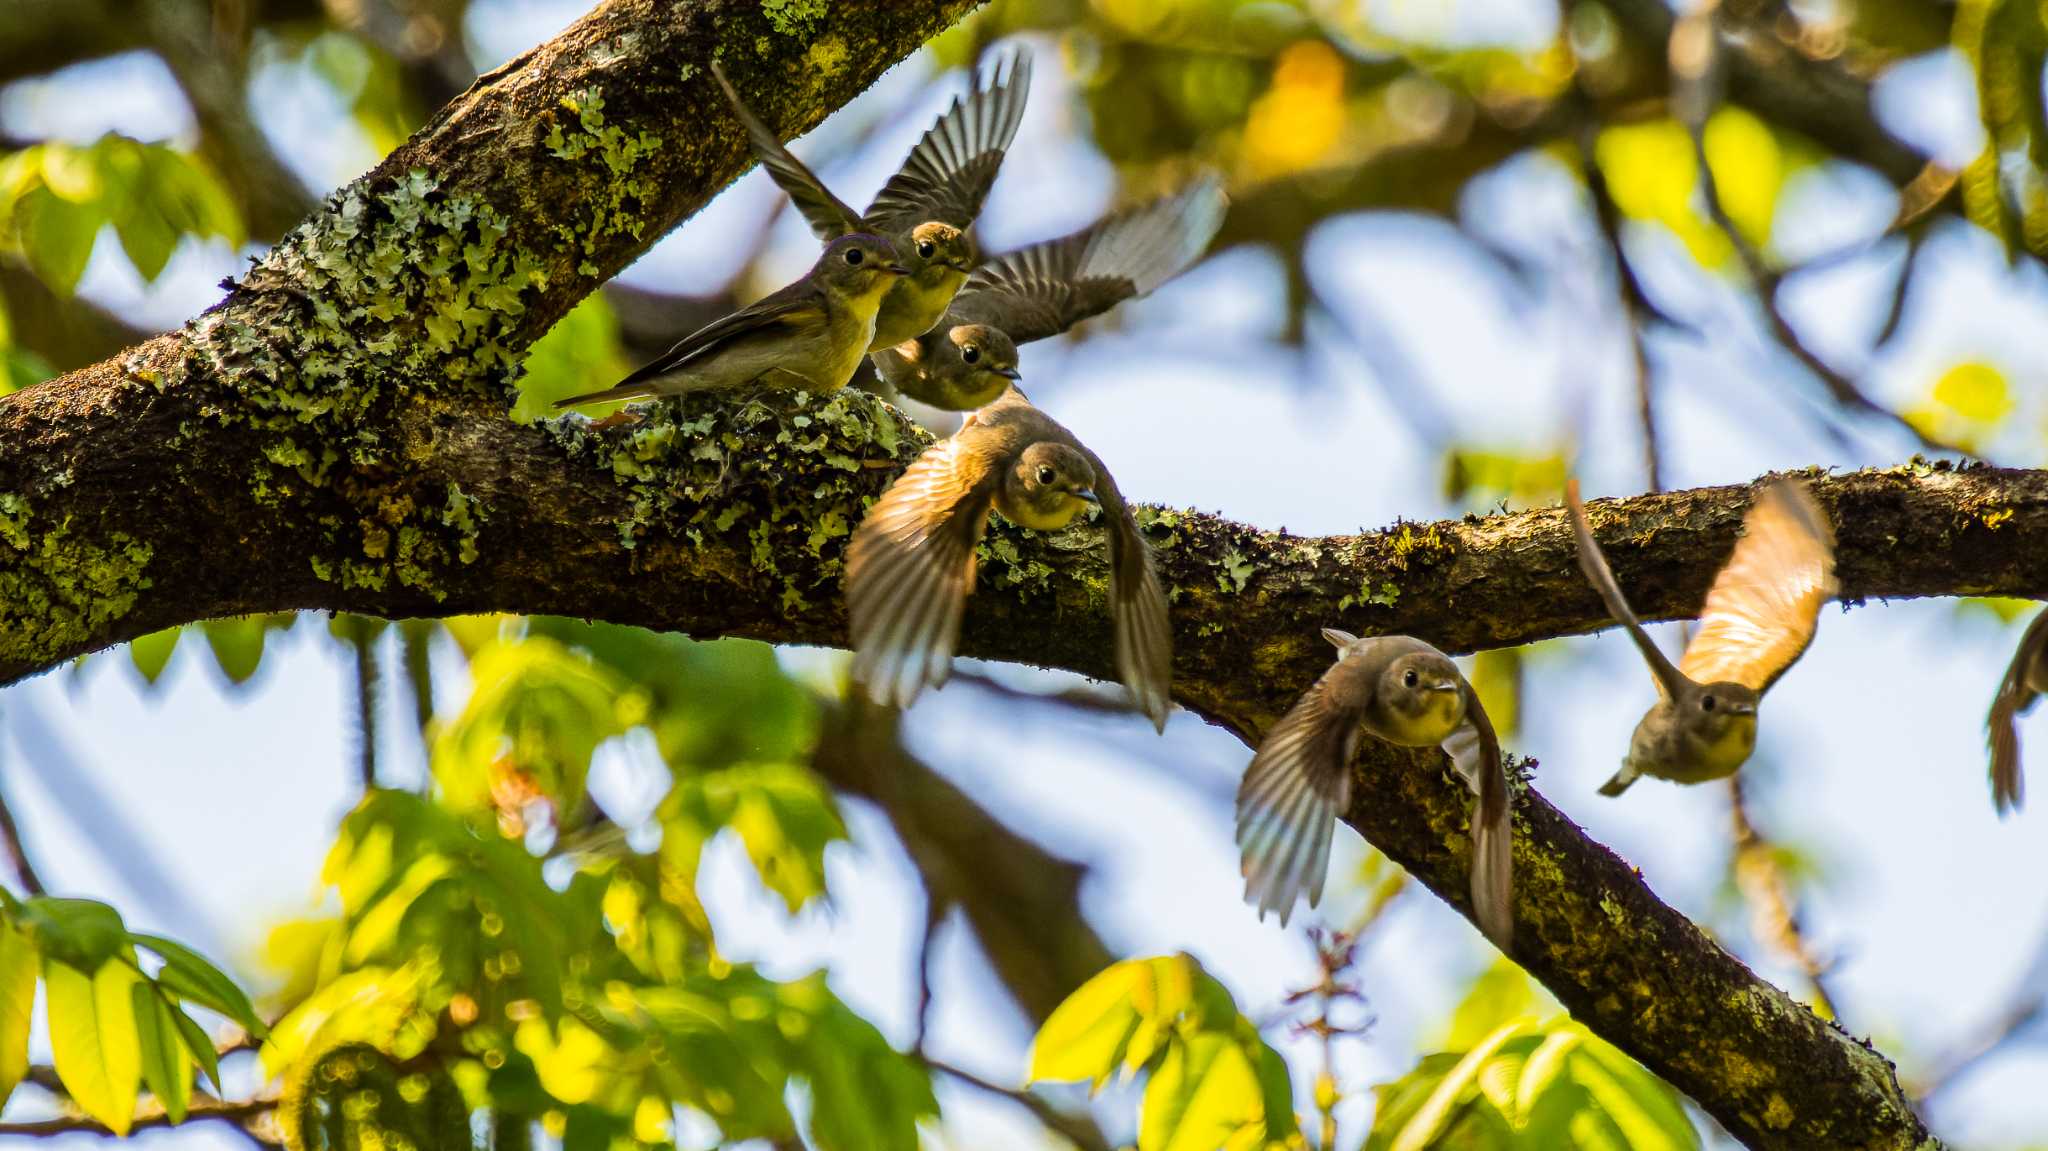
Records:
x=1621, y=780
x=639, y=391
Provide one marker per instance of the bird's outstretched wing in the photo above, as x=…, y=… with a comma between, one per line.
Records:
x=1593, y=562
x=2015, y=695
x=828, y=215
x=1144, y=634
x=910, y=567
x=1475, y=750
x=1045, y=288
x=949, y=173
x=1298, y=783
x=1764, y=606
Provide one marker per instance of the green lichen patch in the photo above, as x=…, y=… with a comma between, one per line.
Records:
x=769, y=476
x=795, y=18
x=59, y=589
x=620, y=202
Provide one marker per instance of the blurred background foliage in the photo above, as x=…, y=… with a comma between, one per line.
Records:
x=504, y=955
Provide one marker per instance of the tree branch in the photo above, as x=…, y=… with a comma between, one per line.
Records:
x=333, y=436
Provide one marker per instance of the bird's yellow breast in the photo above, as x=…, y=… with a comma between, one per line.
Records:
x=1046, y=519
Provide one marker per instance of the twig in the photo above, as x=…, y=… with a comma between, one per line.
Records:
x=1695, y=53
x=239, y=1115
x=367, y=678
x=1336, y=956
x=415, y=640
x=11, y=845
x=1774, y=914
x=1635, y=304
x=1076, y=1129
x=934, y=915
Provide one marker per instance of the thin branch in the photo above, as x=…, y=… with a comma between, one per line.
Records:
x=203, y=1109
x=1695, y=60
x=1636, y=306
x=1076, y=1129
x=927, y=946
x=11, y=844
x=1774, y=913
x=363, y=647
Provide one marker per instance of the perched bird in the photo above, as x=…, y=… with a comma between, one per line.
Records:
x=970, y=355
x=926, y=208
x=910, y=565
x=1759, y=617
x=809, y=335
x=2024, y=681
x=1392, y=688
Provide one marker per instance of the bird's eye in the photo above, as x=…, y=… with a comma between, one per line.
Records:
x=854, y=256
x=971, y=354
x=925, y=249
x=1706, y=703
x=1410, y=678
x=1047, y=475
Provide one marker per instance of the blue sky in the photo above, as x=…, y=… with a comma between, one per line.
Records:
x=1872, y=751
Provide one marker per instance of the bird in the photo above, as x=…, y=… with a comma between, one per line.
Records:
x=1397, y=689
x=2025, y=679
x=1041, y=290
x=808, y=336
x=927, y=208
x=910, y=565
x=1759, y=617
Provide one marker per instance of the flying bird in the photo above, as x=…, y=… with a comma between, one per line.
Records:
x=1759, y=617
x=808, y=336
x=2025, y=679
x=970, y=355
x=927, y=208
x=910, y=565
x=1396, y=689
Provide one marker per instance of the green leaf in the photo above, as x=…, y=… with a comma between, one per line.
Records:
x=200, y=1045
x=581, y=353
x=535, y=716
x=783, y=813
x=1122, y=1018
x=58, y=236
x=18, y=962
x=81, y=932
x=152, y=652
x=865, y=1096
x=237, y=644
x=1206, y=1095
x=189, y=975
x=1643, y=1108
x=93, y=1038
x=164, y=1067
x=146, y=237
x=1430, y=1119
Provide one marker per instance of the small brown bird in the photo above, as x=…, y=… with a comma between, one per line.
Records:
x=926, y=208
x=808, y=336
x=970, y=355
x=1759, y=618
x=1392, y=688
x=910, y=565
x=2025, y=679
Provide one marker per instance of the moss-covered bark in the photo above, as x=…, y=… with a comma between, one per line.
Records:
x=333, y=435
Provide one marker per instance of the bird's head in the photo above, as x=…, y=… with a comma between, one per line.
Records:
x=1424, y=696
x=858, y=265
x=937, y=244
x=1049, y=485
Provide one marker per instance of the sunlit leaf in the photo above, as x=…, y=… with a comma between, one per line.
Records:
x=783, y=813
x=1206, y=1094
x=81, y=932
x=581, y=353
x=152, y=652
x=189, y=975
x=1429, y=1120
x=164, y=1066
x=535, y=716
x=93, y=1038
x=18, y=964
x=237, y=644
x=57, y=235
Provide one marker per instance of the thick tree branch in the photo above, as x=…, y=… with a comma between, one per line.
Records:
x=332, y=436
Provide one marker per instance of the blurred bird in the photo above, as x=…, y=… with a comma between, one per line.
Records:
x=1392, y=688
x=926, y=208
x=809, y=335
x=2024, y=681
x=1759, y=617
x=970, y=355
x=910, y=565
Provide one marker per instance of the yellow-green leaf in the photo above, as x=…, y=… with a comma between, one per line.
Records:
x=1976, y=391
x=18, y=960
x=93, y=1039
x=1206, y=1095
x=193, y=977
x=152, y=652
x=1428, y=1123
x=164, y=1066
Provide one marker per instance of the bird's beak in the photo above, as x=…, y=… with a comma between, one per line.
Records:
x=1743, y=708
x=1445, y=686
x=1089, y=495
x=1009, y=373
x=896, y=269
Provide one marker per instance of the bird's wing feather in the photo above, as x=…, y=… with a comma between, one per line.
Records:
x=1298, y=783
x=1593, y=562
x=1763, y=608
x=949, y=173
x=1043, y=289
x=773, y=316
x=910, y=567
x=1478, y=758
x=2008, y=786
x=1144, y=633
x=828, y=215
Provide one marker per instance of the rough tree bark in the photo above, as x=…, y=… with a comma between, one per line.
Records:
x=332, y=435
